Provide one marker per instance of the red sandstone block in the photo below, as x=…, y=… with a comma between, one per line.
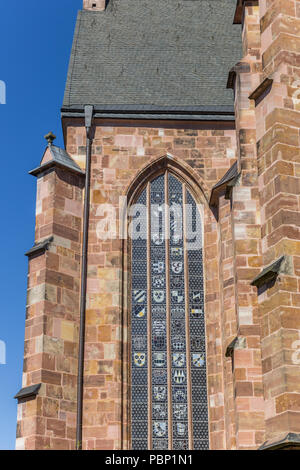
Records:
x=65, y=232
x=58, y=427
x=59, y=279
x=104, y=444
x=246, y=438
x=284, y=423
x=50, y=408
x=69, y=406
x=94, y=380
x=60, y=444
x=38, y=443
x=278, y=7
x=288, y=401
x=290, y=318
x=53, y=391
x=217, y=440
x=243, y=358
x=283, y=43
x=51, y=377
x=257, y=404
x=95, y=432
x=251, y=421
x=48, y=362
x=243, y=389
x=242, y=403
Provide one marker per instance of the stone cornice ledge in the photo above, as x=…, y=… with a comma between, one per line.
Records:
x=52, y=164
x=263, y=88
x=231, y=185
x=228, y=181
x=237, y=343
x=288, y=441
x=39, y=248
x=269, y=273
x=239, y=67
x=239, y=11
x=28, y=392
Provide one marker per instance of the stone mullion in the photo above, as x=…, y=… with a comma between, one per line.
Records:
x=187, y=320
x=168, y=311
x=149, y=311
x=139, y=336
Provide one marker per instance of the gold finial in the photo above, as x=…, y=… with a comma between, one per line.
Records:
x=50, y=138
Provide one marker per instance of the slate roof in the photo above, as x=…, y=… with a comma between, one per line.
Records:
x=59, y=157
x=39, y=247
x=27, y=392
x=230, y=177
x=154, y=55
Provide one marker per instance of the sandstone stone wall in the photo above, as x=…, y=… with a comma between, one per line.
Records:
x=278, y=155
x=52, y=317
x=247, y=373
x=119, y=154
x=254, y=387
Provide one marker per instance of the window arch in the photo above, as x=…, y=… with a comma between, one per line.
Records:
x=168, y=402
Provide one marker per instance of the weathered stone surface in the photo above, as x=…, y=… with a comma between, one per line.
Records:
x=254, y=393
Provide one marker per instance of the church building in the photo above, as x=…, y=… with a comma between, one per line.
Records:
x=163, y=305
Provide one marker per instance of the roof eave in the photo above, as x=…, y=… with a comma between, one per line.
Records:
x=52, y=164
x=240, y=10
x=201, y=113
x=290, y=440
x=39, y=248
x=28, y=392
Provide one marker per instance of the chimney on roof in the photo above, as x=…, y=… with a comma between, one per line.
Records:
x=94, y=5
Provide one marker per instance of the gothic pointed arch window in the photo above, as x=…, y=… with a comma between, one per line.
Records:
x=168, y=385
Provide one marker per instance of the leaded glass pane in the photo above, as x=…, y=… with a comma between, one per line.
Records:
x=160, y=428
x=139, y=377
x=197, y=333
x=178, y=317
x=168, y=321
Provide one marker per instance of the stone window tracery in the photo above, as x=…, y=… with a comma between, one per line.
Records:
x=167, y=348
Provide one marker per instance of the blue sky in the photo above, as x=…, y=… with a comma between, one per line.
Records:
x=36, y=39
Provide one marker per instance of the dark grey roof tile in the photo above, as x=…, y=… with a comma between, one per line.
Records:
x=28, y=392
x=39, y=247
x=154, y=54
x=59, y=157
x=268, y=273
x=229, y=175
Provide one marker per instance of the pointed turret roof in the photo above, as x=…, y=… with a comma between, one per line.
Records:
x=54, y=155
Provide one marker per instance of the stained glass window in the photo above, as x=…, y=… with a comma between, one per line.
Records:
x=168, y=366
